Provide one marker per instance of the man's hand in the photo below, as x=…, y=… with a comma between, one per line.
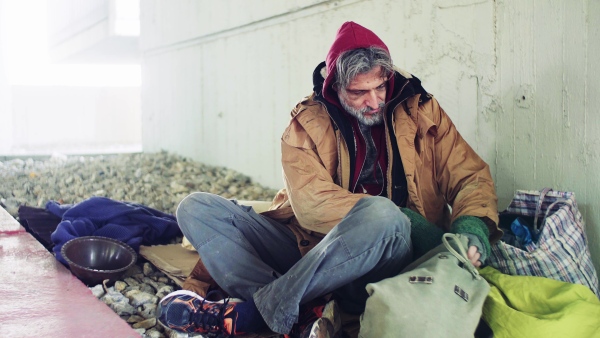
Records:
x=474, y=256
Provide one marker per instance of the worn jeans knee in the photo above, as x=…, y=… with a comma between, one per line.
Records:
x=382, y=216
x=190, y=205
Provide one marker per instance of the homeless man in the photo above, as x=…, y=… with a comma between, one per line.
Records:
x=366, y=157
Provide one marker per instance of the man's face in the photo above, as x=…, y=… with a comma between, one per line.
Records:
x=364, y=97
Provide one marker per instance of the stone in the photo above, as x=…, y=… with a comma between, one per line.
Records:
x=147, y=269
x=120, y=286
x=133, y=270
x=175, y=334
x=146, y=324
x=163, y=291
x=131, y=282
x=98, y=290
x=151, y=281
x=123, y=308
x=147, y=288
x=129, y=288
x=139, y=277
x=138, y=298
x=135, y=319
x=152, y=333
x=112, y=297
x=148, y=310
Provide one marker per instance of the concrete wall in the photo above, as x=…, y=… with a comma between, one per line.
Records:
x=517, y=77
x=75, y=120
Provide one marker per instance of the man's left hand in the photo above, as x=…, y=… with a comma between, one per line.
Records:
x=474, y=255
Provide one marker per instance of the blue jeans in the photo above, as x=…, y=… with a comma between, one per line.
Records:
x=254, y=257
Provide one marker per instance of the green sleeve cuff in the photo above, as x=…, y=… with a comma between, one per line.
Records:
x=474, y=226
x=423, y=234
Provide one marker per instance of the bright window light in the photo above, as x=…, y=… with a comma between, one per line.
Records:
x=127, y=17
x=26, y=52
x=79, y=75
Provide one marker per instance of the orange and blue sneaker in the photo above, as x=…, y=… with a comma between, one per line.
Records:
x=185, y=311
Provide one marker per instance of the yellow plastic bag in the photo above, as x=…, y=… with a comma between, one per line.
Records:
x=527, y=306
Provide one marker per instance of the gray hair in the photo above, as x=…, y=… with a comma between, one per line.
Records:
x=359, y=61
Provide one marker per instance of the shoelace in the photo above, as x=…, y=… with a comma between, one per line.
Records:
x=211, y=319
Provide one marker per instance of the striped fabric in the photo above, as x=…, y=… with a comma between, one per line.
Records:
x=561, y=251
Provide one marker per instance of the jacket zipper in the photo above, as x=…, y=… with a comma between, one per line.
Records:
x=391, y=185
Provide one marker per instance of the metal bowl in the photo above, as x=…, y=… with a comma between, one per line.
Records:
x=93, y=258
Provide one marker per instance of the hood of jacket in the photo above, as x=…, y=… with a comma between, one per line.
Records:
x=350, y=36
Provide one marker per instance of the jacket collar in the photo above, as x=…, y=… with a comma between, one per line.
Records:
x=424, y=123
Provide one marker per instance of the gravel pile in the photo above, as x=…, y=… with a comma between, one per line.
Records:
x=157, y=180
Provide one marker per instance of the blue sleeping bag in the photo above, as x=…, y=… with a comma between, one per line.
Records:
x=130, y=223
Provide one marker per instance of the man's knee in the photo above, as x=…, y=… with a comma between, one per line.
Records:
x=192, y=201
x=384, y=216
x=193, y=207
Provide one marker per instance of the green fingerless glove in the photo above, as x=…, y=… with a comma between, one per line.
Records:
x=423, y=234
x=472, y=226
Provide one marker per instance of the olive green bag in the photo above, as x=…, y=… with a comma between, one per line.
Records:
x=439, y=295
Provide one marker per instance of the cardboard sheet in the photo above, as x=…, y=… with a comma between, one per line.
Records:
x=173, y=260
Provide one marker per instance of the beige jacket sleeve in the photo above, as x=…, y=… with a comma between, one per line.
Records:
x=309, y=159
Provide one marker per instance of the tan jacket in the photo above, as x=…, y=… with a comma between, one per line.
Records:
x=442, y=171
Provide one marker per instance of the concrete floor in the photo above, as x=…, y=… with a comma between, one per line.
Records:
x=40, y=297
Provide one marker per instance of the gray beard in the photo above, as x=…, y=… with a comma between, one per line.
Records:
x=374, y=120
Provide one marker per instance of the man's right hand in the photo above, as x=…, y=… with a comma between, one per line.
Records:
x=474, y=256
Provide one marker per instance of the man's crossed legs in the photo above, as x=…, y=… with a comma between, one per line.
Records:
x=255, y=258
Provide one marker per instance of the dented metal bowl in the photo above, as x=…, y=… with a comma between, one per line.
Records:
x=93, y=258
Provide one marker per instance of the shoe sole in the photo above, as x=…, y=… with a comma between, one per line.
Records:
x=329, y=324
x=331, y=312
x=322, y=328
x=194, y=295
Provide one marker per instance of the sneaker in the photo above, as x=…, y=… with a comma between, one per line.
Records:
x=320, y=321
x=185, y=311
